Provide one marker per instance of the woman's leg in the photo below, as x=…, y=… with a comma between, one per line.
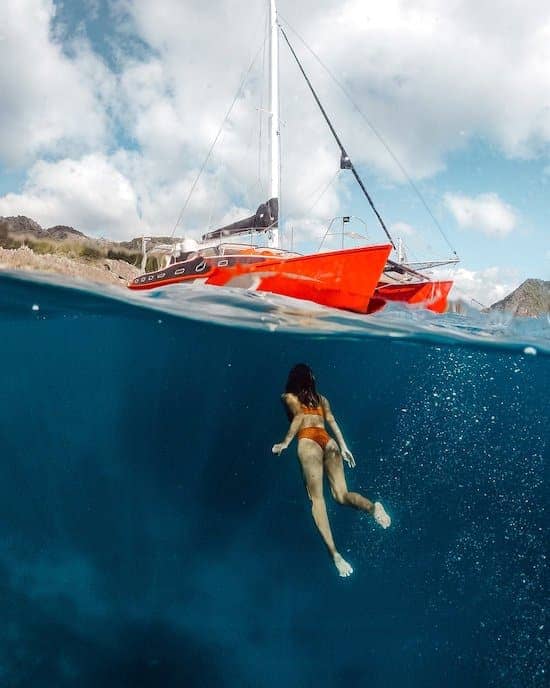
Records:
x=311, y=460
x=337, y=480
x=335, y=473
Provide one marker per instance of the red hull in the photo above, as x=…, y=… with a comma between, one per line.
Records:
x=430, y=295
x=341, y=279
x=346, y=279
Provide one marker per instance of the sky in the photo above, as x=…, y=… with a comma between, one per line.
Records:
x=109, y=108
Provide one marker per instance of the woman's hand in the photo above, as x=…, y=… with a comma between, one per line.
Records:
x=278, y=448
x=348, y=457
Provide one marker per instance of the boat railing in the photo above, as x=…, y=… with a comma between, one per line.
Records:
x=406, y=271
x=342, y=233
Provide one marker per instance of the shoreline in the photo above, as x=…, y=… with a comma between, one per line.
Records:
x=102, y=271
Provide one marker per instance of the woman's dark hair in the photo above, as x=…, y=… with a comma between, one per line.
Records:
x=301, y=383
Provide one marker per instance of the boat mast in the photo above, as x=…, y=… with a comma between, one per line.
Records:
x=275, y=142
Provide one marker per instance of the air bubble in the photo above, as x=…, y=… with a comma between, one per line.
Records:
x=35, y=307
x=530, y=351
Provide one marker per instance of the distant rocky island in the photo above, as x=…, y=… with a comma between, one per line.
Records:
x=25, y=245
x=530, y=299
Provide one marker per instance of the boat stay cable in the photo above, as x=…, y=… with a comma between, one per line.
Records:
x=319, y=193
x=345, y=161
x=215, y=141
x=375, y=131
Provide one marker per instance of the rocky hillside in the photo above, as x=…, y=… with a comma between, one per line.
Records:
x=24, y=226
x=531, y=298
x=106, y=271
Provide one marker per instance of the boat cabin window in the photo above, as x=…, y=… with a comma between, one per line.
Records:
x=230, y=249
x=207, y=252
x=190, y=255
x=180, y=257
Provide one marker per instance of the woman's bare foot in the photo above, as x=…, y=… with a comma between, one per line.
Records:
x=344, y=569
x=380, y=515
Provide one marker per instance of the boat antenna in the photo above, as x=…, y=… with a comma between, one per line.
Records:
x=345, y=161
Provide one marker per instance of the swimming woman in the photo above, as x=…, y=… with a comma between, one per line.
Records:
x=307, y=411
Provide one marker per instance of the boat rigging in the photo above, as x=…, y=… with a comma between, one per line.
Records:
x=361, y=279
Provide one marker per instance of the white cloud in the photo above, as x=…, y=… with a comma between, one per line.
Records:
x=484, y=286
x=50, y=103
x=486, y=213
x=398, y=59
x=431, y=75
x=90, y=193
x=177, y=100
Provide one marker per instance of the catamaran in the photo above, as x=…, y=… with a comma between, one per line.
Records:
x=361, y=279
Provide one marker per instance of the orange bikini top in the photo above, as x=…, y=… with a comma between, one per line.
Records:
x=315, y=411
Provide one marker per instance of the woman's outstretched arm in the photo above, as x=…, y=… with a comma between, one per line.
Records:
x=329, y=416
x=294, y=406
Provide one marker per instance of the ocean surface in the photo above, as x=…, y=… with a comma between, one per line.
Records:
x=149, y=537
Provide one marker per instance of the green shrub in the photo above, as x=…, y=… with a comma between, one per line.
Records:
x=90, y=252
x=41, y=247
x=121, y=254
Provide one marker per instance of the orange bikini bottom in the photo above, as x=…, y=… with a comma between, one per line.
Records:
x=319, y=435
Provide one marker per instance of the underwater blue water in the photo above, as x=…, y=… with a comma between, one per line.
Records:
x=148, y=537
